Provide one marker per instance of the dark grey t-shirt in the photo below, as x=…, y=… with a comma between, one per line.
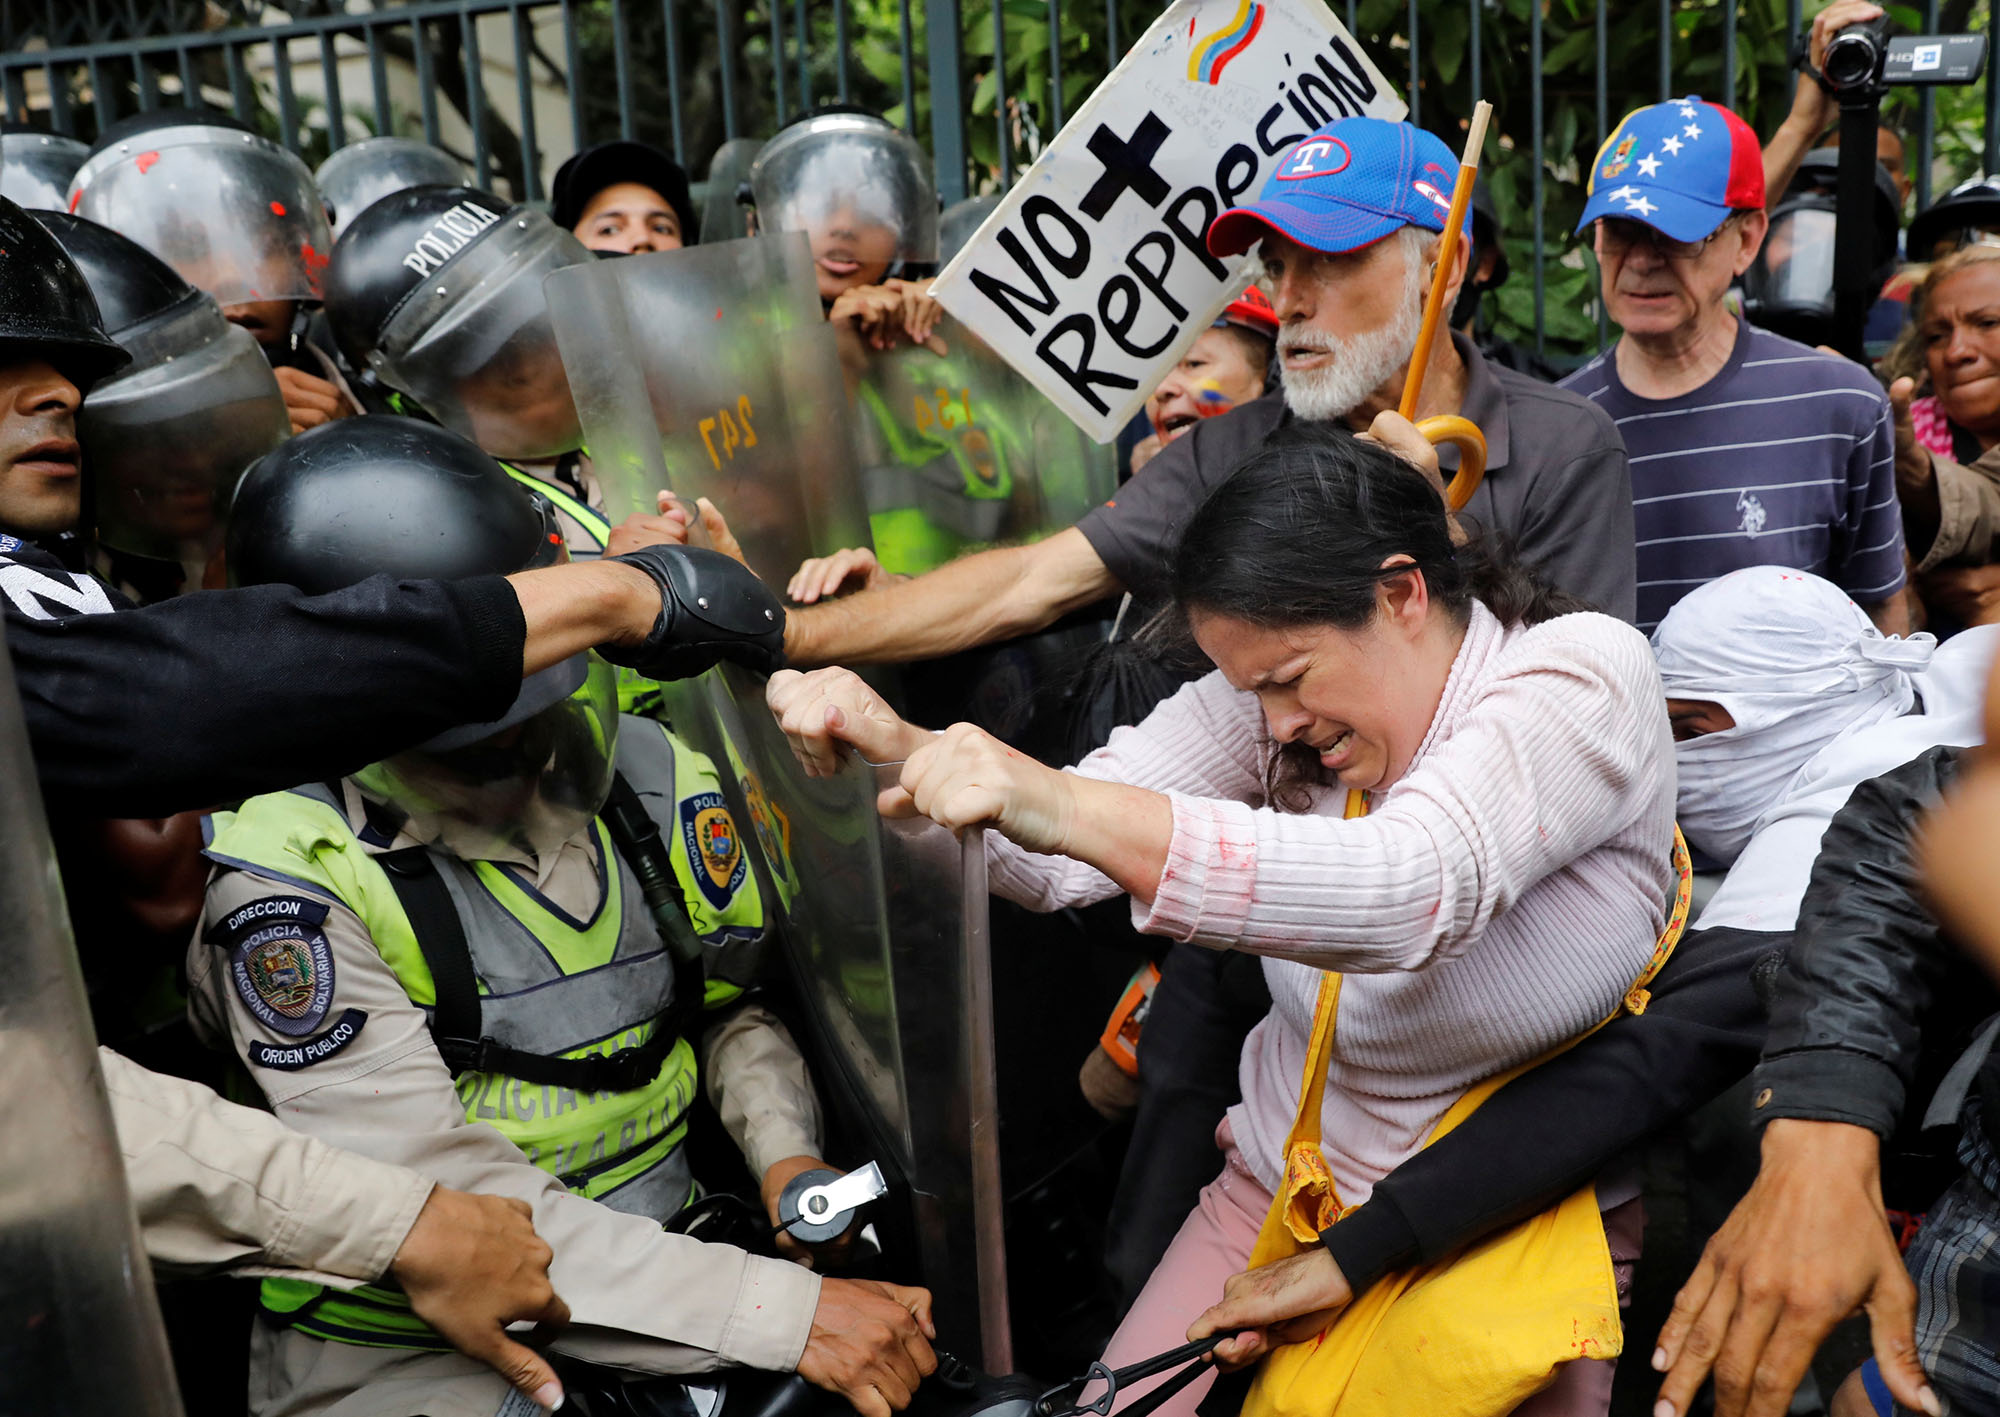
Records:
x=1556, y=484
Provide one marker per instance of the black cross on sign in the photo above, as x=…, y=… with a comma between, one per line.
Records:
x=1126, y=165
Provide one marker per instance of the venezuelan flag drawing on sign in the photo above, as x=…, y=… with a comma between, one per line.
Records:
x=1207, y=58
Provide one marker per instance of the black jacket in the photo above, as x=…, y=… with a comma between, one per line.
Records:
x=1875, y=1001
x=219, y=695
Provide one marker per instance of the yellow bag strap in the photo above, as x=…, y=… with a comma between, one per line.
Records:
x=1307, y=1199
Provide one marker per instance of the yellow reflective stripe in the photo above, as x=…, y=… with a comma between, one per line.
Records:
x=594, y=522
x=573, y=950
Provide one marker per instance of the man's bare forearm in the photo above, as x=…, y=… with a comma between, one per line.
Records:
x=977, y=600
x=576, y=607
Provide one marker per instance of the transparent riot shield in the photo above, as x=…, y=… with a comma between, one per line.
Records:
x=711, y=371
x=36, y=168
x=960, y=453
x=80, y=1332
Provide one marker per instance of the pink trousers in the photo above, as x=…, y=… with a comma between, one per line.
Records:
x=1215, y=1242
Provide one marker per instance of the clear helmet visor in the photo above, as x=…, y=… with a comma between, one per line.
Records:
x=474, y=346
x=859, y=189
x=362, y=174
x=37, y=168
x=236, y=215
x=165, y=442
x=1793, y=272
x=528, y=787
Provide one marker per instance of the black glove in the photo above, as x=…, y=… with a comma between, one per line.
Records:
x=712, y=608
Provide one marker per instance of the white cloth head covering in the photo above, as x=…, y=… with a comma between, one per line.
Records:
x=1798, y=666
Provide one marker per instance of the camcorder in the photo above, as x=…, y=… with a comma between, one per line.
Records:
x=1862, y=62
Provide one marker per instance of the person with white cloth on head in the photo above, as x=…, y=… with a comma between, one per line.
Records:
x=1783, y=697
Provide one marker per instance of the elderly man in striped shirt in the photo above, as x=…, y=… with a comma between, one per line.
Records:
x=1746, y=449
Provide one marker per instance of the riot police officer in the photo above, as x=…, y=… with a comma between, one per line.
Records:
x=437, y=291
x=474, y=931
x=861, y=190
x=238, y=216
x=164, y=439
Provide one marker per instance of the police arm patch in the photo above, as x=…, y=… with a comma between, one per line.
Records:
x=279, y=962
x=715, y=851
x=291, y=1057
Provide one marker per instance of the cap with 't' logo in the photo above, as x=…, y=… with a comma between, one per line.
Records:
x=1346, y=186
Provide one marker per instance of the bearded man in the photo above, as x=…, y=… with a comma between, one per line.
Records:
x=1350, y=220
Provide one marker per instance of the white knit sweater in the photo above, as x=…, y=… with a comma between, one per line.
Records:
x=1496, y=901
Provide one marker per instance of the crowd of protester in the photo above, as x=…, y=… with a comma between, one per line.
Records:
x=1474, y=847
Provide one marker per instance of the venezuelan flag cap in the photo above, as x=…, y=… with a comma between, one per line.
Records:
x=1681, y=167
x=1347, y=186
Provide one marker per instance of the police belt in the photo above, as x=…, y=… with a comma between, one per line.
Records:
x=455, y=1017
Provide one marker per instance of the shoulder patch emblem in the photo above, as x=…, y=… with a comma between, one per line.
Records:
x=313, y=1050
x=280, y=962
x=713, y=847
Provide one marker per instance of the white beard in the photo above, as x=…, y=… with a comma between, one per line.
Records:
x=1361, y=364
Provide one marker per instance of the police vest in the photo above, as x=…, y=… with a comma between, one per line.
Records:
x=548, y=987
x=947, y=484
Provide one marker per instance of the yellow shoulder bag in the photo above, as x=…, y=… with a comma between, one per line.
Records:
x=1474, y=1335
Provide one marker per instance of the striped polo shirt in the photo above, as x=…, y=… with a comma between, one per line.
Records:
x=1786, y=458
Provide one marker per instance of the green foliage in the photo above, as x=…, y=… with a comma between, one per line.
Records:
x=1081, y=53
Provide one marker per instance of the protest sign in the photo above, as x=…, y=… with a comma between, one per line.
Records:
x=1092, y=277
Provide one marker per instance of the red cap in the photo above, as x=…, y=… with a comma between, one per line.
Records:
x=1252, y=310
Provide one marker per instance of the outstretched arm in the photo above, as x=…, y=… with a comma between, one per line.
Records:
x=979, y=599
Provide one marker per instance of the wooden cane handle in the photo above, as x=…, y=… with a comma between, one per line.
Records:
x=1463, y=434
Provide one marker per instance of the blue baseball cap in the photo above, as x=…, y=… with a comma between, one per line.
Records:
x=1346, y=186
x=1681, y=167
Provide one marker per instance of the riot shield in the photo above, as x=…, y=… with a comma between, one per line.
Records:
x=959, y=453
x=80, y=1332
x=361, y=174
x=36, y=168
x=711, y=370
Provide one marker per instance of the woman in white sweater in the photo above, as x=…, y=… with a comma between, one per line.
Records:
x=1508, y=883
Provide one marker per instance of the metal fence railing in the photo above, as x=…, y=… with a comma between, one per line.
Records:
x=513, y=86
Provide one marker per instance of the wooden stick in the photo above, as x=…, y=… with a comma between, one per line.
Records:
x=1461, y=198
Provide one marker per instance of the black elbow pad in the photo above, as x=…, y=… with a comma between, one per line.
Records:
x=712, y=608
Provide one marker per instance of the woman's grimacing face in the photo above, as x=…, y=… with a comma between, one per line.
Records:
x=1362, y=699
x=1961, y=334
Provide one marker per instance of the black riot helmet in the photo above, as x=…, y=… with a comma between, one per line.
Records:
x=1789, y=288
x=1963, y=215
x=438, y=292
x=381, y=495
x=131, y=284
x=47, y=310
x=165, y=439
